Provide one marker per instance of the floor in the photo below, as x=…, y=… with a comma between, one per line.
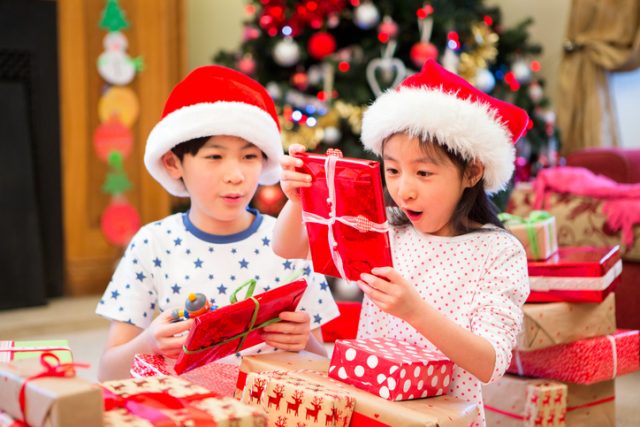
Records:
x=74, y=319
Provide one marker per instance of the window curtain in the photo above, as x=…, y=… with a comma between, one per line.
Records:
x=602, y=36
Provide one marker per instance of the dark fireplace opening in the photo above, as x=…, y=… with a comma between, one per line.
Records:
x=31, y=255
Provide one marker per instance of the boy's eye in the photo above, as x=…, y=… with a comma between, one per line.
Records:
x=424, y=173
x=252, y=156
x=214, y=156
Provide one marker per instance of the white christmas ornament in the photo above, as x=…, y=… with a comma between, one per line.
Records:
x=450, y=61
x=286, y=52
x=274, y=90
x=392, y=70
x=331, y=135
x=114, y=64
x=535, y=92
x=366, y=16
x=485, y=81
x=521, y=71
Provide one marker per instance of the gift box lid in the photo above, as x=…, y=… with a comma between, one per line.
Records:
x=15, y=350
x=570, y=261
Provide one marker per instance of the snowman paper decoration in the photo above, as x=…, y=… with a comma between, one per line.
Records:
x=114, y=64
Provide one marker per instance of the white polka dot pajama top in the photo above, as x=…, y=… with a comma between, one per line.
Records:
x=478, y=280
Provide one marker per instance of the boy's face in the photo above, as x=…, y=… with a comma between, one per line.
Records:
x=221, y=178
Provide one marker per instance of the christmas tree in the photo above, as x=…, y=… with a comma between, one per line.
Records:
x=324, y=61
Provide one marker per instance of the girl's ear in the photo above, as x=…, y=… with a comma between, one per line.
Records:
x=473, y=173
x=172, y=164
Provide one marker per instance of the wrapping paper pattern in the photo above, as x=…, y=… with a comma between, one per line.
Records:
x=220, y=378
x=344, y=215
x=545, y=240
x=291, y=401
x=370, y=410
x=234, y=327
x=546, y=325
x=223, y=411
x=514, y=402
x=583, y=362
x=16, y=350
x=391, y=369
x=591, y=405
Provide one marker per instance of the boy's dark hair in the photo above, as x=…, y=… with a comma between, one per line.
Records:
x=474, y=204
x=192, y=147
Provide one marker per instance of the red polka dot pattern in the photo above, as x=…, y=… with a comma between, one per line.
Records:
x=391, y=369
x=478, y=280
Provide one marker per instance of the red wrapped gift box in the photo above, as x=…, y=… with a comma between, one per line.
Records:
x=344, y=326
x=344, y=214
x=391, y=369
x=582, y=362
x=575, y=274
x=220, y=378
x=232, y=328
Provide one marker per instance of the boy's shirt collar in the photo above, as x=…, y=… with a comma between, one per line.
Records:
x=229, y=238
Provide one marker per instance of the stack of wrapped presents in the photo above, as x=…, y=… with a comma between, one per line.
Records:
x=569, y=352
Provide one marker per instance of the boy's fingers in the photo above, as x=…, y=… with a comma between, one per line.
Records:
x=177, y=327
x=294, y=316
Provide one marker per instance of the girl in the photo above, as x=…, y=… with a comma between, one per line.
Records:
x=459, y=280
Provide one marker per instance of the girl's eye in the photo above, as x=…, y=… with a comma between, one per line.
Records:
x=391, y=171
x=424, y=173
x=214, y=156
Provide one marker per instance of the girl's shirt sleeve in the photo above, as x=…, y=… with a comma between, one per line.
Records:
x=130, y=296
x=496, y=309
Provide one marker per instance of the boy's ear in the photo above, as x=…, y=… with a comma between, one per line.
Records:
x=172, y=164
x=473, y=174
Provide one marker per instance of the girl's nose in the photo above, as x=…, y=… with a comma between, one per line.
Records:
x=406, y=191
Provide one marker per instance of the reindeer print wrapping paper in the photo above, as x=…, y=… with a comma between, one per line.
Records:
x=297, y=402
x=157, y=401
x=517, y=402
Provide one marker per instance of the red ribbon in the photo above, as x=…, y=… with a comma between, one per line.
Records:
x=51, y=369
x=151, y=406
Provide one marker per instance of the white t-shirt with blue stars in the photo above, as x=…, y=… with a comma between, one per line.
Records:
x=168, y=259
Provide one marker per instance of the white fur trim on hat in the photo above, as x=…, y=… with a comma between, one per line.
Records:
x=207, y=119
x=469, y=128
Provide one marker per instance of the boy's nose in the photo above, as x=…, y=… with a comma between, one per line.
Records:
x=233, y=176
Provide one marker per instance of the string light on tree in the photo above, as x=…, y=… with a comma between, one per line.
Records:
x=521, y=71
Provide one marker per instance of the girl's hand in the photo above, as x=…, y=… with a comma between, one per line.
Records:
x=161, y=334
x=391, y=293
x=291, y=334
x=291, y=180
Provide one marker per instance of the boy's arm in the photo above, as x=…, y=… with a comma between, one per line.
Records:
x=316, y=343
x=290, y=238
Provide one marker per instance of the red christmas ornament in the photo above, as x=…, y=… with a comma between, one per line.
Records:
x=247, y=64
x=387, y=29
x=119, y=222
x=321, y=45
x=300, y=80
x=110, y=136
x=269, y=199
x=422, y=51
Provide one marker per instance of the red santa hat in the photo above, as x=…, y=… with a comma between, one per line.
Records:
x=215, y=100
x=436, y=103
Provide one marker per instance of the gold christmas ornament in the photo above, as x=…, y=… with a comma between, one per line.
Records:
x=482, y=55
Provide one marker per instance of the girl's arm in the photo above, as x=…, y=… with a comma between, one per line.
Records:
x=125, y=340
x=289, y=235
x=397, y=297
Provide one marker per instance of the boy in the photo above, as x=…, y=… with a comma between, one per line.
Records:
x=218, y=138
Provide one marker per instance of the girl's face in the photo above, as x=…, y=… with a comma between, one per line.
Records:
x=425, y=184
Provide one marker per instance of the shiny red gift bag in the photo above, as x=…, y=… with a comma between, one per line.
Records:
x=344, y=214
x=234, y=327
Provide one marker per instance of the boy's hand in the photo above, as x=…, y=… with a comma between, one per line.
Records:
x=161, y=334
x=391, y=293
x=291, y=180
x=291, y=334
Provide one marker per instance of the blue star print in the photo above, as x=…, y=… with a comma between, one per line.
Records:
x=287, y=265
x=244, y=263
x=176, y=288
x=222, y=289
x=115, y=294
x=265, y=242
x=307, y=270
x=140, y=276
x=157, y=262
x=324, y=286
x=317, y=319
x=198, y=263
x=178, y=241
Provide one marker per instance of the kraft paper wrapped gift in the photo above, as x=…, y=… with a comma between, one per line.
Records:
x=369, y=410
x=554, y=323
x=518, y=402
x=220, y=378
x=51, y=401
x=291, y=401
x=586, y=361
x=591, y=405
x=15, y=350
x=391, y=369
x=172, y=401
x=537, y=233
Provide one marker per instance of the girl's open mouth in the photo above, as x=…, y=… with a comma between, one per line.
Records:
x=413, y=215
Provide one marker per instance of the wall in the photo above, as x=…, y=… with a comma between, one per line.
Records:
x=625, y=90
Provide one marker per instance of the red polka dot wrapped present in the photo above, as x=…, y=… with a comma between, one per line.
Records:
x=391, y=369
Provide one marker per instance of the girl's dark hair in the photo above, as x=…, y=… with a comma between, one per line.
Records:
x=192, y=147
x=474, y=205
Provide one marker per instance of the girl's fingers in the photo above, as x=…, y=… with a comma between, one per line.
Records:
x=290, y=175
x=296, y=148
x=376, y=282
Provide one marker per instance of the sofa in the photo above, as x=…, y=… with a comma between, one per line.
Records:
x=580, y=221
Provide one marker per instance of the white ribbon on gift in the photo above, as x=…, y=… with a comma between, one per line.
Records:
x=360, y=222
